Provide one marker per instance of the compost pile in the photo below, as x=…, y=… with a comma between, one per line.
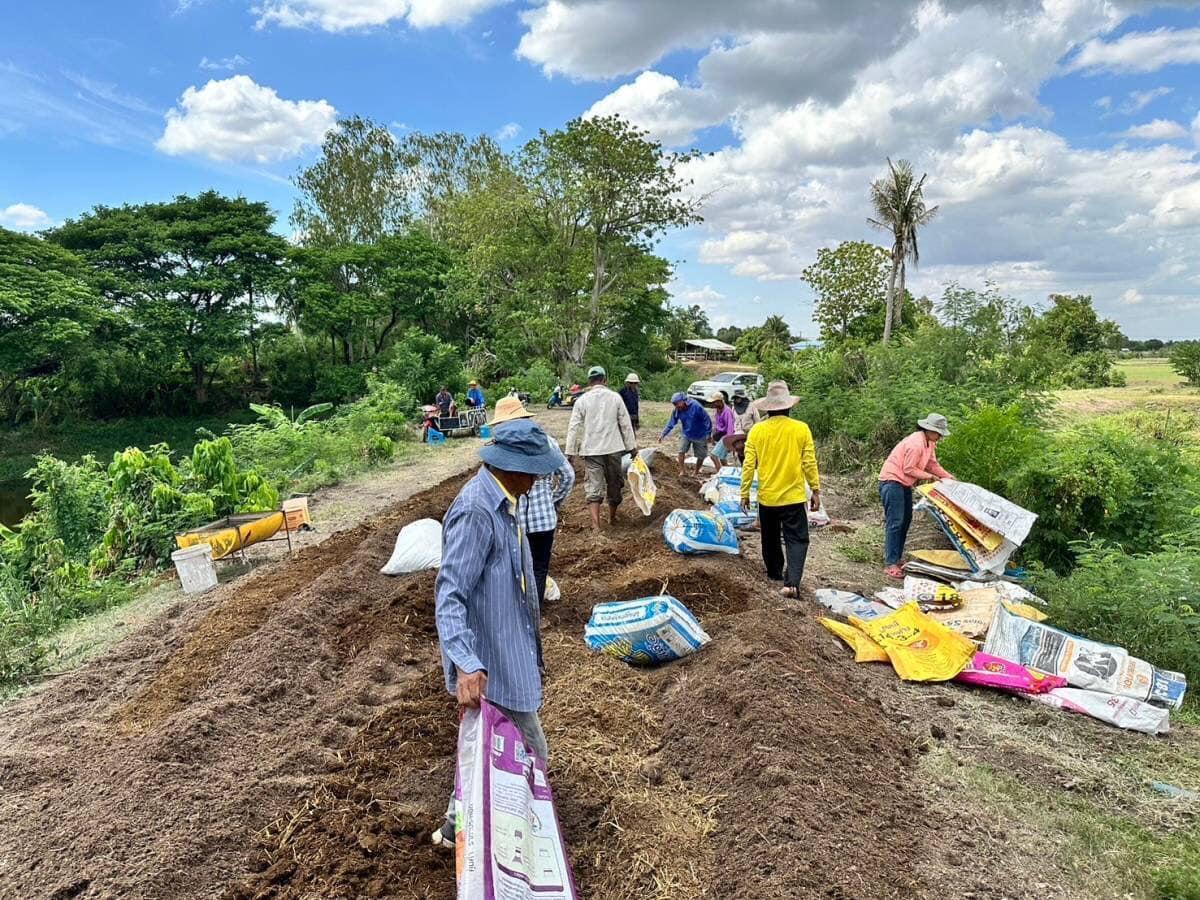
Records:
x=288, y=735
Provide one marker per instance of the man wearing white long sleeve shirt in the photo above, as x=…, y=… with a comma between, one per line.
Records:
x=601, y=432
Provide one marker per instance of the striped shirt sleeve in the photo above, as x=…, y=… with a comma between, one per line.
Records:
x=467, y=537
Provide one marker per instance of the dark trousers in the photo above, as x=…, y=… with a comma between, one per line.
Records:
x=541, y=543
x=784, y=535
x=897, y=517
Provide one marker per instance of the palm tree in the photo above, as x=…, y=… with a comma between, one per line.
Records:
x=774, y=337
x=900, y=206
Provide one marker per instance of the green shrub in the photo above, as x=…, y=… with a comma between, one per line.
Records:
x=422, y=364
x=308, y=453
x=1185, y=361
x=662, y=385
x=1103, y=480
x=1148, y=604
x=861, y=400
x=538, y=380
x=989, y=445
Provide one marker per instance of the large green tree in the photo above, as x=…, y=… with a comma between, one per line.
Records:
x=564, y=233
x=189, y=273
x=1072, y=324
x=899, y=201
x=50, y=313
x=850, y=281
x=355, y=193
x=360, y=296
x=1185, y=360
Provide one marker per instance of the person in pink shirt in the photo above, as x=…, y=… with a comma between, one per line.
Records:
x=913, y=459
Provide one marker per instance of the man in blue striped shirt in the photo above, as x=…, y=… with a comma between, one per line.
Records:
x=487, y=610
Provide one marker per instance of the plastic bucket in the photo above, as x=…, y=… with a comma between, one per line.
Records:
x=485, y=432
x=296, y=510
x=197, y=571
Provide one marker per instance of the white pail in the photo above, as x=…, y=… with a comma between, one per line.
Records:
x=197, y=571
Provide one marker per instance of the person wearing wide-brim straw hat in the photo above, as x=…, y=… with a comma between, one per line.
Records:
x=780, y=451
x=486, y=610
x=509, y=409
x=541, y=506
x=913, y=459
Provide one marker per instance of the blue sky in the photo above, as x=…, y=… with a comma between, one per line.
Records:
x=1061, y=137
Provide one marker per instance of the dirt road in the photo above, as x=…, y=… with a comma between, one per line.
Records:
x=288, y=735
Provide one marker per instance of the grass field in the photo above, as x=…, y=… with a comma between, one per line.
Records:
x=1154, y=372
x=1152, y=387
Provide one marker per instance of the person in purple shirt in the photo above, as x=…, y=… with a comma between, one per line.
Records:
x=724, y=424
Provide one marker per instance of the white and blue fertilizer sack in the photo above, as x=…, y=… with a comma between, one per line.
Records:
x=644, y=632
x=731, y=510
x=692, y=531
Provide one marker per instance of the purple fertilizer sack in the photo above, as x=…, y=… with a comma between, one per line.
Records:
x=509, y=845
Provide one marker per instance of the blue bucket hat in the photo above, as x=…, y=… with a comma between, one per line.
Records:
x=679, y=397
x=521, y=446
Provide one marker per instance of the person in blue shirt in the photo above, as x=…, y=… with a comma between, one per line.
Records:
x=486, y=595
x=695, y=426
x=474, y=395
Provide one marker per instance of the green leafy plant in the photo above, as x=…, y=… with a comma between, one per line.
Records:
x=1149, y=603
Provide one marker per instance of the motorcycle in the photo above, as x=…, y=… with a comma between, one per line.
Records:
x=560, y=400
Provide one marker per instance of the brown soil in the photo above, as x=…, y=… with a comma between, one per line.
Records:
x=289, y=736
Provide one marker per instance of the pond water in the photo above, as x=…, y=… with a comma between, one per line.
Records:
x=14, y=502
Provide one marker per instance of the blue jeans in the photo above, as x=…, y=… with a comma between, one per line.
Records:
x=897, y=517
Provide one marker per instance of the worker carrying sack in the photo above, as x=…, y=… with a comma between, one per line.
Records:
x=692, y=531
x=508, y=842
x=418, y=546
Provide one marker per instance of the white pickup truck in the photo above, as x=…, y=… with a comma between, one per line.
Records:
x=731, y=384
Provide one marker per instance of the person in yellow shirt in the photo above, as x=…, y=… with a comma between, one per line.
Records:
x=780, y=450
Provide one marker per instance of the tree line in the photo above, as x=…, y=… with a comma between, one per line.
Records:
x=416, y=245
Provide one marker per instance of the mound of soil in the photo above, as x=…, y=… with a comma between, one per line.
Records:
x=289, y=736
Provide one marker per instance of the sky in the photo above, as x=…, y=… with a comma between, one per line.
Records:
x=1061, y=138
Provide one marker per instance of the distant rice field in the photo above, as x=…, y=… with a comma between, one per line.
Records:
x=1152, y=386
x=1154, y=372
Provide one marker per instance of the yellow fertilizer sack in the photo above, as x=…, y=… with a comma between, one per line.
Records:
x=865, y=649
x=641, y=485
x=919, y=647
x=1025, y=611
x=947, y=559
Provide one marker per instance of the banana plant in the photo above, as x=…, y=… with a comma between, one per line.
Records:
x=276, y=417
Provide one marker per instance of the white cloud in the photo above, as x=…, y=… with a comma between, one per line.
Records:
x=23, y=216
x=708, y=298
x=224, y=64
x=671, y=112
x=1132, y=297
x=1158, y=130
x=239, y=120
x=346, y=15
x=1139, y=100
x=508, y=131
x=814, y=109
x=1139, y=51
